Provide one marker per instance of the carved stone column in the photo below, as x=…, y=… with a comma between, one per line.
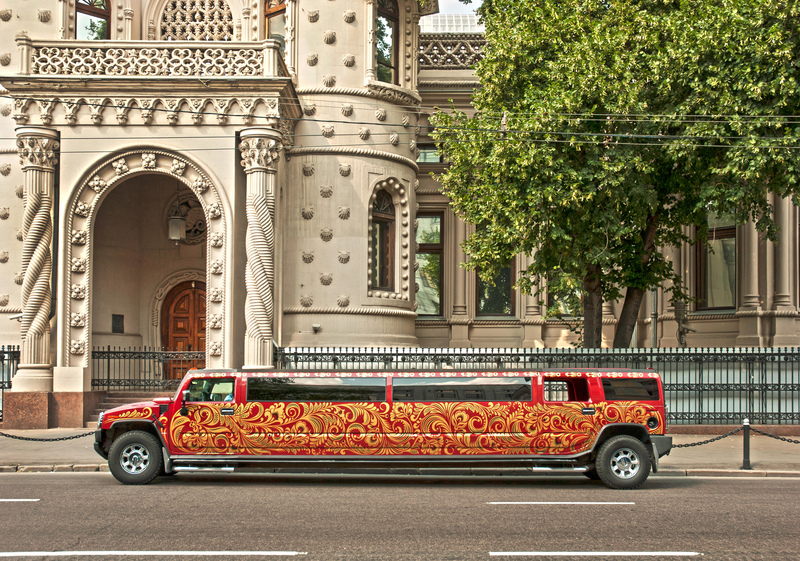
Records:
x=669, y=336
x=38, y=152
x=750, y=330
x=784, y=327
x=260, y=148
x=459, y=321
x=532, y=321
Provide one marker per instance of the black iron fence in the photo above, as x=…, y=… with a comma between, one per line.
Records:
x=9, y=360
x=702, y=386
x=145, y=368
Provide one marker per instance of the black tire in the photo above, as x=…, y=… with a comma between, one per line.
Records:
x=592, y=474
x=623, y=462
x=135, y=458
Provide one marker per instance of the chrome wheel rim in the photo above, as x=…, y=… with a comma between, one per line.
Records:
x=135, y=458
x=625, y=463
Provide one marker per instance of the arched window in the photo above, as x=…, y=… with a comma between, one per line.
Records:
x=92, y=20
x=276, y=21
x=386, y=27
x=197, y=20
x=382, y=242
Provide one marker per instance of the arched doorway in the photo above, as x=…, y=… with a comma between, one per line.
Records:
x=183, y=325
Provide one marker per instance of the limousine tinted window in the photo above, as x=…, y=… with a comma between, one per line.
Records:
x=461, y=389
x=316, y=389
x=630, y=389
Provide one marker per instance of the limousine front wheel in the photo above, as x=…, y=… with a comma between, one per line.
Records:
x=623, y=462
x=135, y=458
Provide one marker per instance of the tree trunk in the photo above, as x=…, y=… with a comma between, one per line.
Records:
x=628, y=317
x=592, y=308
x=635, y=295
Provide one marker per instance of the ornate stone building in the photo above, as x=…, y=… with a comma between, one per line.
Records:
x=232, y=176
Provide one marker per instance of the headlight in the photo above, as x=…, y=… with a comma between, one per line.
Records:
x=100, y=421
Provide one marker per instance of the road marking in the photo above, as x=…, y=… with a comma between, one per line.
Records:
x=558, y=503
x=148, y=553
x=596, y=553
x=18, y=500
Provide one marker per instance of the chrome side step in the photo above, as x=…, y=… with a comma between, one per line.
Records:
x=194, y=469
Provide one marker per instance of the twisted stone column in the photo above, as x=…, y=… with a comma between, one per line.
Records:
x=38, y=155
x=260, y=148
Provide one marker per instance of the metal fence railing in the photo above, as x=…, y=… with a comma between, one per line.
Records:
x=145, y=368
x=9, y=360
x=702, y=386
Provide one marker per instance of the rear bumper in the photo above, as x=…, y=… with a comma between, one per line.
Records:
x=661, y=444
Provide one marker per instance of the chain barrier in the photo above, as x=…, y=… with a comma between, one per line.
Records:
x=73, y=437
x=726, y=435
x=774, y=436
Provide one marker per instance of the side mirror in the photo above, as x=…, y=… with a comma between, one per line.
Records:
x=184, y=399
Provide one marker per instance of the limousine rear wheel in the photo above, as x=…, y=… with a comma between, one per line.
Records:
x=623, y=462
x=135, y=458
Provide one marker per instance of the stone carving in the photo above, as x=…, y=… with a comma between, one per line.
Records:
x=380, y=114
x=259, y=152
x=344, y=170
x=329, y=37
x=5, y=169
x=5, y=110
x=215, y=321
x=308, y=256
x=326, y=279
x=19, y=278
x=313, y=16
x=329, y=80
x=326, y=191
x=349, y=16
x=312, y=59
x=4, y=213
x=77, y=347
x=349, y=60
x=3, y=300
x=216, y=239
x=344, y=212
x=148, y=161
x=187, y=20
x=327, y=131
x=35, y=151
x=78, y=291
x=326, y=234
x=79, y=237
x=216, y=348
x=306, y=301
x=347, y=109
x=394, y=138
x=344, y=257
x=364, y=133
x=97, y=184
x=450, y=51
x=78, y=265
x=20, y=235
x=5, y=15
x=307, y=212
x=82, y=209
x=5, y=59
x=77, y=320
x=310, y=109
x=405, y=120
x=44, y=16
x=215, y=295
x=120, y=166
x=216, y=267
x=343, y=301
x=19, y=191
x=201, y=185
x=3, y=257
x=308, y=170
x=412, y=146
x=178, y=167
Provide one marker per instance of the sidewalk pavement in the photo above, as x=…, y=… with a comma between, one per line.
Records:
x=768, y=457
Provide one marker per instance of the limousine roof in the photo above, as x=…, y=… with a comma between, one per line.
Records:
x=569, y=372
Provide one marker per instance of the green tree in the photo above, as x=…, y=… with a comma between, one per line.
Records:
x=604, y=127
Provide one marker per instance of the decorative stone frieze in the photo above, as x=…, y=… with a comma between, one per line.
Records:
x=78, y=265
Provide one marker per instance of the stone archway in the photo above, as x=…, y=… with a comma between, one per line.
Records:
x=78, y=229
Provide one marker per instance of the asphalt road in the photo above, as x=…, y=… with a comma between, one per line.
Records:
x=312, y=517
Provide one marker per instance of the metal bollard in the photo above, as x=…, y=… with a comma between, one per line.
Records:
x=746, y=445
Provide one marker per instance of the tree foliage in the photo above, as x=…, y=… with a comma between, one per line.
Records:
x=604, y=127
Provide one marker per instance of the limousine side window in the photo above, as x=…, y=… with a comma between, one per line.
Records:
x=316, y=389
x=629, y=389
x=461, y=389
x=211, y=389
x=566, y=389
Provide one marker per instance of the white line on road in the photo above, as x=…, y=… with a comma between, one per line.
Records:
x=140, y=554
x=18, y=500
x=557, y=503
x=595, y=553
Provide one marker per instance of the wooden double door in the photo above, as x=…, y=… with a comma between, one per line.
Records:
x=183, y=326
